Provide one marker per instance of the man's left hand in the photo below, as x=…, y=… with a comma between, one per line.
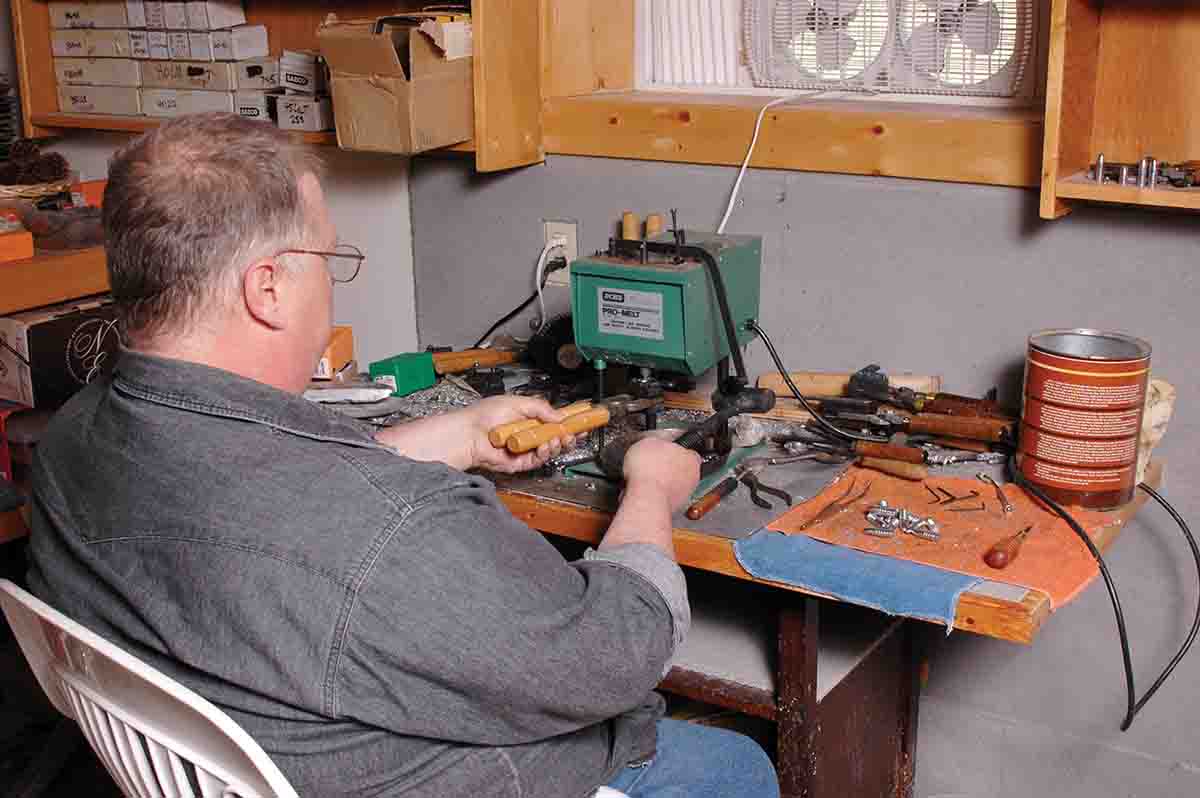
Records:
x=489, y=413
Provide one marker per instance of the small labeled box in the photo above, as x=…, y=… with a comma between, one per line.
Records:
x=300, y=112
x=256, y=74
x=175, y=16
x=203, y=75
x=120, y=100
x=97, y=14
x=179, y=45
x=97, y=72
x=156, y=17
x=215, y=14
x=149, y=45
x=236, y=44
x=180, y=102
x=256, y=103
x=301, y=73
x=88, y=43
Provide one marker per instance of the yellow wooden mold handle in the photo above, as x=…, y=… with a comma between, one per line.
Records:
x=530, y=439
x=499, y=436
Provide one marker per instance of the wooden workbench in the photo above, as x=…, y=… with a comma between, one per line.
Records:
x=978, y=610
x=843, y=693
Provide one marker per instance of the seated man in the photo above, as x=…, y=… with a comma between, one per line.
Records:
x=363, y=606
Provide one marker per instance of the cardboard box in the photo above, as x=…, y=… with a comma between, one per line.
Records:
x=175, y=15
x=301, y=73
x=180, y=102
x=256, y=74
x=86, y=43
x=67, y=345
x=236, y=44
x=256, y=103
x=97, y=14
x=337, y=355
x=215, y=14
x=204, y=75
x=149, y=45
x=301, y=112
x=394, y=91
x=156, y=16
x=179, y=45
x=97, y=72
x=121, y=100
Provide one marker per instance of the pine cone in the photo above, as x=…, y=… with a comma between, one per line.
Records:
x=23, y=150
x=8, y=174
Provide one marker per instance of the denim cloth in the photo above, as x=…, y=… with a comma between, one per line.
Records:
x=381, y=626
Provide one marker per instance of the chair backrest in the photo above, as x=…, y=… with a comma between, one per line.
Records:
x=157, y=738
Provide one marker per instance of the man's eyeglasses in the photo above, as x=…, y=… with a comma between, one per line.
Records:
x=344, y=261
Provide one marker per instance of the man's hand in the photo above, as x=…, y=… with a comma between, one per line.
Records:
x=655, y=463
x=659, y=479
x=459, y=438
x=489, y=413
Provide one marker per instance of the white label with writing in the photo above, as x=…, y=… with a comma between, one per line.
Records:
x=625, y=312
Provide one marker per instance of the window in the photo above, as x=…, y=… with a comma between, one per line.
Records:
x=966, y=51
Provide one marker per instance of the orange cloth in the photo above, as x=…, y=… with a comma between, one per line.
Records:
x=1052, y=558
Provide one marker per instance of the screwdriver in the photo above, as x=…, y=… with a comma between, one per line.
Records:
x=1004, y=552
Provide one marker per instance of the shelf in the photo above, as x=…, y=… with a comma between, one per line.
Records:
x=998, y=146
x=1122, y=78
x=1079, y=187
x=51, y=277
x=139, y=124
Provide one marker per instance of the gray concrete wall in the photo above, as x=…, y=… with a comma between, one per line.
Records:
x=932, y=278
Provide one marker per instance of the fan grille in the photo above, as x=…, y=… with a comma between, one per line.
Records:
x=953, y=47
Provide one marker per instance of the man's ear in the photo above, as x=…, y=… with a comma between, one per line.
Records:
x=264, y=293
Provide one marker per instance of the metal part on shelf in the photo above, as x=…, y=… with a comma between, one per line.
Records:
x=1147, y=173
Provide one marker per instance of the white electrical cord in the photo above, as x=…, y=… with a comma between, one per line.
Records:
x=554, y=243
x=737, y=184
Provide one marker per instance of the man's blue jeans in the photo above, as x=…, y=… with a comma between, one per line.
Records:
x=695, y=761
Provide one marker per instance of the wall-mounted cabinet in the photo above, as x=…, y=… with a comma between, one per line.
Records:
x=507, y=70
x=1122, y=81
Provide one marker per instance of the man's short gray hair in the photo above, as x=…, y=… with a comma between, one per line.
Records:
x=192, y=203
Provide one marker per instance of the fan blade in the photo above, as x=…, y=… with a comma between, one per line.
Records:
x=927, y=48
x=980, y=29
x=834, y=48
x=842, y=9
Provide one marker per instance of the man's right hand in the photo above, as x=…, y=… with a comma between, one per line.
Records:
x=669, y=469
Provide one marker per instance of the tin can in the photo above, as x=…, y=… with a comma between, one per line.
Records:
x=1084, y=395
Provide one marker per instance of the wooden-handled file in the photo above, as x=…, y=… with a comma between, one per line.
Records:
x=896, y=468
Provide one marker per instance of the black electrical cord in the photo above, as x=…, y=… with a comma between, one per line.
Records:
x=817, y=417
x=551, y=266
x=1132, y=706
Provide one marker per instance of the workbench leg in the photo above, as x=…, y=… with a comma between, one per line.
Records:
x=796, y=684
x=915, y=656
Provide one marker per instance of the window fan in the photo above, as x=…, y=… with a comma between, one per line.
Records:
x=958, y=47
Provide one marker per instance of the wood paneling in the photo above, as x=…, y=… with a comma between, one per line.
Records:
x=587, y=46
x=508, y=74
x=1070, y=95
x=937, y=142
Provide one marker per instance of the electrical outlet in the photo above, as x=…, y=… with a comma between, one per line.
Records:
x=568, y=229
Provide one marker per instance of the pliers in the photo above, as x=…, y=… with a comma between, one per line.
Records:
x=747, y=472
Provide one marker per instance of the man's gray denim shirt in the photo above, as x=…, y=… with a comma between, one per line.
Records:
x=381, y=626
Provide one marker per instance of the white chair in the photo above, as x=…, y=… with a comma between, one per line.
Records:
x=157, y=738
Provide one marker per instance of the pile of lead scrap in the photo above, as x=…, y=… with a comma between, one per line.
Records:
x=886, y=520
